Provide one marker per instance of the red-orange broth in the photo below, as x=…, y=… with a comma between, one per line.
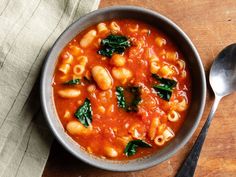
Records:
x=112, y=128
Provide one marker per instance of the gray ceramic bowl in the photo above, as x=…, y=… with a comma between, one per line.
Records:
x=193, y=61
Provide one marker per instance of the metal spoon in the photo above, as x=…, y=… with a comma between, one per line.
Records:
x=223, y=82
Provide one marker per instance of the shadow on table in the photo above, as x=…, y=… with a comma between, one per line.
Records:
x=62, y=164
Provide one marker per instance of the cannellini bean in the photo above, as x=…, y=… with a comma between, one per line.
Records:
x=69, y=93
x=159, y=140
x=122, y=74
x=110, y=152
x=160, y=41
x=88, y=38
x=153, y=127
x=64, y=68
x=102, y=77
x=173, y=116
x=117, y=60
x=101, y=27
x=76, y=128
x=168, y=134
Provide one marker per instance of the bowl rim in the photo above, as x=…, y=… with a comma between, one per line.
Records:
x=197, y=117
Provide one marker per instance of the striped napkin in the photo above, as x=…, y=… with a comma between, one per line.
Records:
x=28, y=28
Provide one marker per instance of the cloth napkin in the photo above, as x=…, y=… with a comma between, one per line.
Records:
x=28, y=28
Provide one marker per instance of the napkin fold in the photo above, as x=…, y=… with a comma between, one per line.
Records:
x=27, y=31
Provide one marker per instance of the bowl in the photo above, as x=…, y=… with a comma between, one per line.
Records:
x=193, y=61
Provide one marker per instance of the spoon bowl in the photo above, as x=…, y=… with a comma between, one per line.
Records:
x=223, y=72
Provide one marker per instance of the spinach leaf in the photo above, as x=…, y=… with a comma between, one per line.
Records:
x=84, y=113
x=165, y=88
x=72, y=82
x=163, y=92
x=168, y=82
x=131, y=147
x=113, y=44
x=120, y=97
x=135, y=92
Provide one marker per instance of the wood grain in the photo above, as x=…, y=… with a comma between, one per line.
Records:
x=211, y=26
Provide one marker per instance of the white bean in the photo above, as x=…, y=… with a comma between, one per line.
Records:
x=102, y=77
x=69, y=93
x=88, y=38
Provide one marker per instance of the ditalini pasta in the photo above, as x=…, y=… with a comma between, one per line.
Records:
x=121, y=89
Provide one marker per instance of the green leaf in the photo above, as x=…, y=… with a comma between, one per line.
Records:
x=131, y=147
x=84, y=113
x=72, y=82
x=167, y=82
x=120, y=97
x=114, y=44
x=163, y=92
x=165, y=88
x=135, y=92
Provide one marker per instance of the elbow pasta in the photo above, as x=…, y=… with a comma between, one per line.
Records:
x=168, y=134
x=108, y=99
x=133, y=29
x=172, y=56
x=78, y=70
x=173, y=116
x=114, y=27
x=82, y=60
x=182, y=105
x=67, y=58
x=64, y=68
x=159, y=140
x=160, y=41
x=101, y=27
x=75, y=50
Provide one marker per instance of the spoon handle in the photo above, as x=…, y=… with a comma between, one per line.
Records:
x=189, y=165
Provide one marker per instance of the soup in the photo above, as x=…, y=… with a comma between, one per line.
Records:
x=121, y=89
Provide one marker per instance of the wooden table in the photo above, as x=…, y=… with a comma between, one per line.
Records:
x=211, y=25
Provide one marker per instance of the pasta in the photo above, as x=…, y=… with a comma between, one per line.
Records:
x=173, y=116
x=114, y=27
